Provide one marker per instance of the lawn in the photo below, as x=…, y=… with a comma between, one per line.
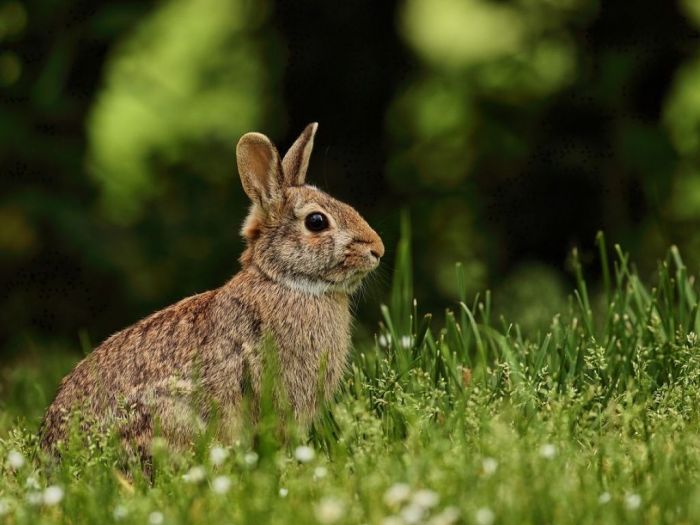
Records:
x=593, y=420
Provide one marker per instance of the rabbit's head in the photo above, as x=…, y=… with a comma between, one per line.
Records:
x=296, y=234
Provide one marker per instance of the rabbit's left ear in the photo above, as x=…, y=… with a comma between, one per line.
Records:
x=260, y=169
x=296, y=161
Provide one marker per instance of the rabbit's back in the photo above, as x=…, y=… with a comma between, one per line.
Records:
x=157, y=359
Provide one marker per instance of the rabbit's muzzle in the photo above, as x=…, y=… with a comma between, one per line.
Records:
x=365, y=253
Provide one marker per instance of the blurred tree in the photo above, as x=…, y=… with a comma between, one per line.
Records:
x=160, y=215
x=193, y=72
x=51, y=258
x=528, y=143
x=179, y=90
x=681, y=211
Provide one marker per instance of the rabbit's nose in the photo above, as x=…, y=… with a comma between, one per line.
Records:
x=377, y=247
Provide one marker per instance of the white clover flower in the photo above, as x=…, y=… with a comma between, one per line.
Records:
x=155, y=518
x=217, y=455
x=120, y=512
x=548, y=451
x=633, y=501
x=283, y=492
x=31, y=483
x=448, y=516
x=4, y=506
x=413, y=513
x=406, y=342
x=426, y=498
x=329, y=510
x=484, y=516
x=489, y=466
x=34, y=497
x=15, y=459
x=397, y=494
x=221, y=484
x=251, y=458
x=304, y=454
x=320, y=472
x=604, y=498
x=383, y=341
x=52, y=495
x=194, y=475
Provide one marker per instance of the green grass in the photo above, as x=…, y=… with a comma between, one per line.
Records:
x=593, y=421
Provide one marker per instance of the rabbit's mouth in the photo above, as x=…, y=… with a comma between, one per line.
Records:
x=354, y=278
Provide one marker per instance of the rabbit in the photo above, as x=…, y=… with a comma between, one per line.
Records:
x=305, y=255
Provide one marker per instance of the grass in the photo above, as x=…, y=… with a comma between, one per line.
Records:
x=593, y=421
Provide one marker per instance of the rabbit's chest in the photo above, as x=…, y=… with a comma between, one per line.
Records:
x=313, y=339
x=313, y=329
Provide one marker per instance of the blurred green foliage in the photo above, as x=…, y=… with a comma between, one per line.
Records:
x=194, y=72
x=512, y=130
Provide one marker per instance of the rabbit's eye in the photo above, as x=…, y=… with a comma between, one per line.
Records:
x=316, y=222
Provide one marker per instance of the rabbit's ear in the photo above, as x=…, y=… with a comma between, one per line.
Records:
x=260, y=169
x=296, y=161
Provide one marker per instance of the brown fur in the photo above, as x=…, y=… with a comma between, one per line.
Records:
x=170, y=368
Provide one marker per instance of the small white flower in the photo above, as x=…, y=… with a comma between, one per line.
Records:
x=251, y=458
x=194, y=475
x=304, y=454
x=412, y=513
x=119, y=513
x=284, y=492
x=448, y=516
x=406, y=342
x=155, y=518
x=15, y=459
x=34, y=497
x=426, y=498
x=4, y=506
x=397, y=494
x=383, y=341
x=489, y=466
x=52, y=495
x=484, y=516
x=329, y=510
x=221, y=484
x=31, y=483
x=604, y=498
x=217, y=455
x=320, y=472
x=548, y=451
x=633, y=501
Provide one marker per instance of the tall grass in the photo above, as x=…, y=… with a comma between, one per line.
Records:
x=594, y=420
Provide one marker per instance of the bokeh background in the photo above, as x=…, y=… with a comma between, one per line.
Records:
x=512, y=130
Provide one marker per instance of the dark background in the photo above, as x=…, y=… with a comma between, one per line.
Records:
x=511, y=130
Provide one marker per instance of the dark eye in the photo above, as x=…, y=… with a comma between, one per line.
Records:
x=316, y=222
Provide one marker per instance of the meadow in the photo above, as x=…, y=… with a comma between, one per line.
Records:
x=593, y=419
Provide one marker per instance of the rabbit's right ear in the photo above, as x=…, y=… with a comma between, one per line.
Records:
x=260, y=169
x=296, y=161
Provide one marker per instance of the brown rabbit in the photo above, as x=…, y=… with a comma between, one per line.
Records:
x=306, y=253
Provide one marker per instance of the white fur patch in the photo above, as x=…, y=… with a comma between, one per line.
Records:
x=308, y=286
x=316, y=287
